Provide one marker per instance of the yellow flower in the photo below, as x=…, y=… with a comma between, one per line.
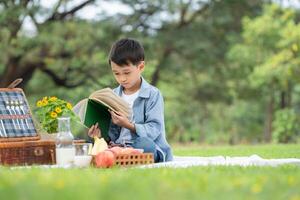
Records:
x=44, y=102
x=256, y=188
x=58, y=110
x=291, y=181
x=39, y=104
x=69, y=106
x=60, y=184
x=53, y=114
x=45, y=98
x=295, y=47
x=53, y=99
x=295, y=197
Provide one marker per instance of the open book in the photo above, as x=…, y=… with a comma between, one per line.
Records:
x=96, y=109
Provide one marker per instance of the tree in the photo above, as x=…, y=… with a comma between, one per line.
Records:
x=269, y=55
x=207, y=96
x=64, y=47
x=189, y=40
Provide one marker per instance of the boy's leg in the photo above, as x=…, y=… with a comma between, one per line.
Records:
x=148, y=146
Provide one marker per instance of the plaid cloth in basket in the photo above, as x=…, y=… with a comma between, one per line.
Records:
x=15, y=118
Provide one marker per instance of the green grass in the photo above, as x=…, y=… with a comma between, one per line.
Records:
x=265, y=151
x=191, y=183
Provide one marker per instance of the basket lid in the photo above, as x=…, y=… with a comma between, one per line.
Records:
x=16, y=121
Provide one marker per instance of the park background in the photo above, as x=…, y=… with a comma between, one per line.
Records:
x=228, y=70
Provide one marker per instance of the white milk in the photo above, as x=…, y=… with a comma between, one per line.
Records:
x=65, y=156
x=82, y=161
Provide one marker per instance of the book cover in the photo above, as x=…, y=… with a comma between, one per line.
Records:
x=97, y=112
x=95, y=109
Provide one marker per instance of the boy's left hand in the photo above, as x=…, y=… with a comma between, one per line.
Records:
x=120, y=119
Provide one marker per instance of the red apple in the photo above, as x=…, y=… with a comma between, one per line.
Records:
x=126, y=150
x=105, y=159
x=130, y=150
x=116, y=150
x=135, y=151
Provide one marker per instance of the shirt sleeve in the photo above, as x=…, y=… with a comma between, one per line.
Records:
x=113, y=132
x=154, y=118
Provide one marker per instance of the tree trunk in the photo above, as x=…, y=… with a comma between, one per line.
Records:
x=156, y=74
x=203, y=124
x=14, y=70
x=269, y=119
x=282, y=99
x=289, y=95
x=286, y=97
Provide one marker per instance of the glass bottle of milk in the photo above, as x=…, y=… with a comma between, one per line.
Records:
x=65, y=150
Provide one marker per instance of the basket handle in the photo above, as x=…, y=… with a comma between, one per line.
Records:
x=15, y=83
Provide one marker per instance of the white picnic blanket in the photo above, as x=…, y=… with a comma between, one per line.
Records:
x=191, y=161
x=253, y=160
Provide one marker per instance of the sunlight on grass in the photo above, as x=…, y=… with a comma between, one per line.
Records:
x=265, y=151
x=214, y=182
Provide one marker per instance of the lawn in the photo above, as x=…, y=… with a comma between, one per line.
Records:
x=192, y=183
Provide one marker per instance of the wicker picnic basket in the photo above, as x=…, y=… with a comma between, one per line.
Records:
x=20, y=142
x=40, y=152
x=16, y=121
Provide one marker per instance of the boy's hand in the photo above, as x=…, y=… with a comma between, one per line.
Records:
x=94, y=131
x=121, y=120
x=112, y=144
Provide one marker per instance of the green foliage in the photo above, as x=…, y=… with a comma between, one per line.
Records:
x=286, y=126
x=270, y=48
x=268, y=60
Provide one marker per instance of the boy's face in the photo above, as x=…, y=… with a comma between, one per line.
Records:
x=128, y=75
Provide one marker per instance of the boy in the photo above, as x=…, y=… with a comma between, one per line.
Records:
x=146, y=129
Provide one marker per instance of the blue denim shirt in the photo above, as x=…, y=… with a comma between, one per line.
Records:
x=148, y=111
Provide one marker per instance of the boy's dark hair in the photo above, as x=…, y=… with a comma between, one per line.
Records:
x=126, y=51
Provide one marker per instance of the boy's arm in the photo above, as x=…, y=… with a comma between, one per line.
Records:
x=154, y=118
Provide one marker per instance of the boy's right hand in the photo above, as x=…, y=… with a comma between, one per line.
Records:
x=94, y=131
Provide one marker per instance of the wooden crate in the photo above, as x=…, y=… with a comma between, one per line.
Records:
x=125, y=160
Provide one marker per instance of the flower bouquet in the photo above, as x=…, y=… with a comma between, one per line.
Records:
x=49, y=109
